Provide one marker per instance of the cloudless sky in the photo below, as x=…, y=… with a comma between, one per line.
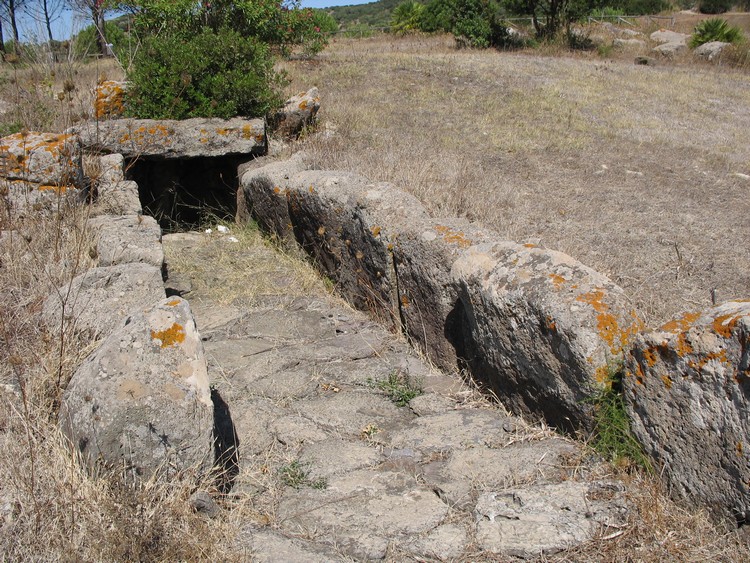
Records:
x=69, y=24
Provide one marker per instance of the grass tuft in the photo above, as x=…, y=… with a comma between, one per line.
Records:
x=297, y=475
x=399, y=387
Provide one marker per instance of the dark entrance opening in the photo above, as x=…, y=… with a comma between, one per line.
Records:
x=183, y=194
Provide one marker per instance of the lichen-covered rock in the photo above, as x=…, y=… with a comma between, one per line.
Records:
x=539, y=327
x=710, y=50
x=96, y=302
x=688, y=393
x=197, y=137
x=109, y=99
x=127, y=239
x=670, y=49
x=47, y=159
x=142, y=401
x=298, y=112
x=667, y=36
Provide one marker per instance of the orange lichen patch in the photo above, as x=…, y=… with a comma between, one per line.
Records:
x=724, y=325
x=721, y=356
x=557, y=280
x=171, y=336
x=375, y=231
x=594, y=298
x=404, y=300
x=311, y=190
x=173, y=303
x=109, y=99
x=739, y=448
x=550, y=322
x=650, y=356
x=602, y=376
x=451, y=236
x=639, y=375
x=667, y=381
x=247, y=132
x=146, y=135
x=359, y=255
x=56, y=189
x=683, y=347
x=303, y=105
x=223, y=132
x=682, y=324
x=321, y=231
x=529, y=245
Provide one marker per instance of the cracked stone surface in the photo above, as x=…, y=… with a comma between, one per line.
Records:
x=336, y=470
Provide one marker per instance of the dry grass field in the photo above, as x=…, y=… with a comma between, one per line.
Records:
x=642, y=172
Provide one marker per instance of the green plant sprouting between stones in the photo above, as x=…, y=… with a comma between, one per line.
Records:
x=297, y=475
x=612, y=437
x=399, y=387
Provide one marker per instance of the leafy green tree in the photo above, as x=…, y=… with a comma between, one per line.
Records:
x=87, y=41
x=714, y=6
x=407, y=17
x=550, y=16
x=214, y=59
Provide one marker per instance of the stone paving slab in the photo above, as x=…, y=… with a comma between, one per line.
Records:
x=337, y=470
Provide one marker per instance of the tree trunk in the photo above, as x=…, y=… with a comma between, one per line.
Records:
x=45, y=7
x=97, y=15
x=2, y=38
x=13, y=23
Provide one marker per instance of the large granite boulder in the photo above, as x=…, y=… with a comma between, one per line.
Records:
x=170, y=139
x=537, y=326
x=297, y=113
x=142, y=401
x=688, y=395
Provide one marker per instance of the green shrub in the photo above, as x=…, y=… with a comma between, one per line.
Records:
x=211, y=74
x=715, y=29
x=714, y=6
x=407, y=17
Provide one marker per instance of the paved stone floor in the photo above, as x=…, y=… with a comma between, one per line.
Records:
x=353, y=448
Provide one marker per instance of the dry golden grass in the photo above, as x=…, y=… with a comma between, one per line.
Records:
x=636, y=171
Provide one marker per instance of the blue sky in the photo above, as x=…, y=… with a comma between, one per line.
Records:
x=69, y=24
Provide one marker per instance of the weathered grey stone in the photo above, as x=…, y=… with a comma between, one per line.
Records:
x=430, y=403
x=688, y=395
x=109, y=99
x=667, y=36
x=97, y=301
x=362, y=511
x=334, y=456
x=544, y=519
x=628, y=44
x=710, y=50
x=446, y=542
x=127, y=239
x=47, y=159
x=119, y=198
x=540, y=328
x=298, y=112
x=266, y=546
x=111, y=168
x=425, y=276
x=294, y=430
x=142, y=401
x=202, y=503
x=197, y=137
x=670, y=49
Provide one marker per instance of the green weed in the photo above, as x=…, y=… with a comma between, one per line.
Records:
x=297, y=475
x=612, y=437
x=399, y=387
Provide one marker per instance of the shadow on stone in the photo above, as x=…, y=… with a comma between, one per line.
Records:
x=226, y=444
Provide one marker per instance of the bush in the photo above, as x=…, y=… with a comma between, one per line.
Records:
x=714, y=6
x=212, y=74
x=407, y=17
x=715, y=29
